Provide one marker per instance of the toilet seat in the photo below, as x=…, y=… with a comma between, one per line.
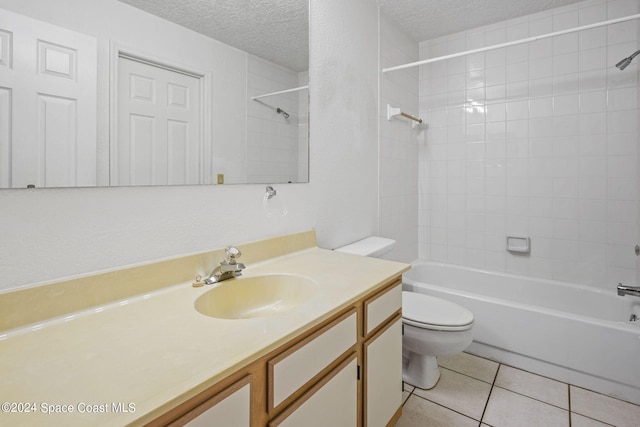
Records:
x=427, y=312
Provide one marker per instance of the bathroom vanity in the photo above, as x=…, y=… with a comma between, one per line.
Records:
x=129, y=347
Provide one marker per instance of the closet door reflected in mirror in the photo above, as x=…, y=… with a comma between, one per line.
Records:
x=159, y=115
x=47, y=105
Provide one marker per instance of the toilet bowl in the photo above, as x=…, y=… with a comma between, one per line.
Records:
x=432, y=327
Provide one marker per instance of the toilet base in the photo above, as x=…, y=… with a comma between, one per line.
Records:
x=421, y=371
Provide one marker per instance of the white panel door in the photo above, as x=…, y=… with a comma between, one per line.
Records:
x=47, y=104
x=159, y=134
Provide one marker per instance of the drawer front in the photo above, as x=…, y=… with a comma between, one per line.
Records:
x=231, y=407
x=382, y=306
x=295, y=367
x=233, y=411
x=331, y=402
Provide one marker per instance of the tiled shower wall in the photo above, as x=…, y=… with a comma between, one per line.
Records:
x=272, y=139
x=539, y=140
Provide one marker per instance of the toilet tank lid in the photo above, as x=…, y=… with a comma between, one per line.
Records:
x=372, y=246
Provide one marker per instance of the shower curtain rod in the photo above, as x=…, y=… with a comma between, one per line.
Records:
x=512, y=43
x=295, y=89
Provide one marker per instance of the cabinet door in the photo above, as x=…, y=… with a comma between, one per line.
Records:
x=383, y=374
x=229, y=408
x=333, y=401
x=297, y=366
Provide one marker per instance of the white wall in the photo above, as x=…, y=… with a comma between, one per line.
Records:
x=57, y=233
x=399, y=143
x=540, y=140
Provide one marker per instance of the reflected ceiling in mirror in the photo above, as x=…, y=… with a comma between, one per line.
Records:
x=239, y=69
x=277, y=31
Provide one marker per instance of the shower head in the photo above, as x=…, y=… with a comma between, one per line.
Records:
x=626, y=61
x=284, y=113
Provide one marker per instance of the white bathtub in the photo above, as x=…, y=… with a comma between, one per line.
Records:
x=573, y=333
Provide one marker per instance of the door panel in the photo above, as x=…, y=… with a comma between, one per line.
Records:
x=48, y=108
x=159, y=116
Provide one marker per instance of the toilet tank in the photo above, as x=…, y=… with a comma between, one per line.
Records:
x=372, y=246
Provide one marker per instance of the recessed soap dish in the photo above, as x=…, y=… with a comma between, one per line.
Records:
x=519, y=244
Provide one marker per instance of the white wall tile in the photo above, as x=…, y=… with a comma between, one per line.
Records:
x=620, y=8
x=591, y=14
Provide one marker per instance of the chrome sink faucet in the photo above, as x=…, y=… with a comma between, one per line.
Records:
x=228, y=268
x=628, y=290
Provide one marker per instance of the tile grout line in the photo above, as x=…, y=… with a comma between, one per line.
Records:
x=467, y=375
x=569, y=402
x=486, y=404
x=532, y=398
x=445, y=407
x=439, y=404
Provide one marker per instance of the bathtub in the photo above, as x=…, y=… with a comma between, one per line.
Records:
x=573, y=333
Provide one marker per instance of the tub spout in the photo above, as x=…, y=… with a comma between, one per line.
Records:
x=628, y=290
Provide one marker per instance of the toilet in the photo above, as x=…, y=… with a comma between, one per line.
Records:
x=432, y=326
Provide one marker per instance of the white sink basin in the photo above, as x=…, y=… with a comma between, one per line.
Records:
x=259, y=296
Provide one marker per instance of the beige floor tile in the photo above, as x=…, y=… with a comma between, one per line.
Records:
x=532, y=385
x=604, y=408
x=458, y=392
x=468, y=364
x=509, y=409
x=405, y=396
x=578, y=420
x=418, y=412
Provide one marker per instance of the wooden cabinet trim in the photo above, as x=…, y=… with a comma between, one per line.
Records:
x=394, y=420
x=396, y=317
x=292, y=349
x=198, y=410
x=185, y=407
x=384, y=290
x=310, y=392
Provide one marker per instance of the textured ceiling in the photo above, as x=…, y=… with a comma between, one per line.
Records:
x=274, y=30
x=428, y=19
x=278, y=30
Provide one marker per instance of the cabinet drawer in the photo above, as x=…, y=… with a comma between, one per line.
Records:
x=230, y=407
x=333, y=401
x=380, y=307
x=298, y=365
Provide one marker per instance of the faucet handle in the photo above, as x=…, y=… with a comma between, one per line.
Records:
x=231, y=254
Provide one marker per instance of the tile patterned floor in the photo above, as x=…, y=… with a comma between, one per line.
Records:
x=477, y=392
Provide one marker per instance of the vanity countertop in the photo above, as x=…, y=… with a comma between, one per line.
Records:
x=129, y=361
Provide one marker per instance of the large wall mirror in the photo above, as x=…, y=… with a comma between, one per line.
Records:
x=153, y=92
